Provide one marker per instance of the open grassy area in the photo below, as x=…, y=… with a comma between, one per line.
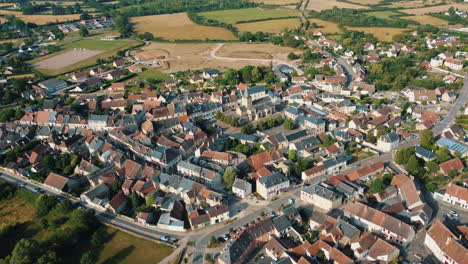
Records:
x=97, y=44
x=325, y=26
x=426, y=19
x=150, y=73
x=234, y=16
x=383, y=14
x=417, y=3
x=179, y=27
x=124, y=248
x=108, y=48
x=319, y=5
x=382, y=33
x=270, y=26
x=253, y=50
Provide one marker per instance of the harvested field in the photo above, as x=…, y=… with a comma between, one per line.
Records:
x=234, y=16
x=40, y=19
x=425, y=19
x=177, y=27
x=325, y=26
x=270, y=26
x=194, y=56
x=415, y=3
x=6, y=4
x=434, y=9
x=319, y=5
x=277, y=2
x=382, y=33
x=365, y=2
x=252, y=50
x=66, y=59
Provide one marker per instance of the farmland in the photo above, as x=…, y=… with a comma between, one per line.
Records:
x=425, y=19
x=40, y=19
x=325, y=26
x=270, y=26
x=194, y=56
x=247, y=14
x=277, y=2
x=365, y=2
x=70, y=59
x=179, y=27
x=433, y=9
x=382, y=33
x=416, y=3
x=319, y=5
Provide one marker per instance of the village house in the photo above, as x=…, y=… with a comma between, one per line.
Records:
x=321, y=197
x=241, y=188
x=271, y=185
x=445, y=245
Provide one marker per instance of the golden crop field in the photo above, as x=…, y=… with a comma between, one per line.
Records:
x=325, y=26
x=276, y=2
x=177, y=27
x=425, y=19
x=365, y=2
x=40, y=19
x=416, y=3
x=195, y=56
x=319, y=5
x=433, y=9
x=6, y=4
x=253, y=50
x=233, y=16
x=382, y=33
x=270, y=26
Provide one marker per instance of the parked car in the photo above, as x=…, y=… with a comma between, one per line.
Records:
x=165, y=238
x=453, y=214
x=22, y=185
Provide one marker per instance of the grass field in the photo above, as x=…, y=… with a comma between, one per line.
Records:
x=319, y=5
x=124, y=248
x=325, y=26
x=40, y=19
x=433, y=9
x=382, y=33
x=102, y=48
x=426, y=19
x=247, y=14
x=150, y=73
x=270, y=26
x=177, y=27
x=276, y=2
x=195, y=56
x=416, y=3
x=383, y=14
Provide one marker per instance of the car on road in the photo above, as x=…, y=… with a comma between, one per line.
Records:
x=291, y=201
x=272, y=213
x=226, y=237
x=221, y=240
x=22, y=185
x=357, y=165
x=452, y=214
x=165, y=238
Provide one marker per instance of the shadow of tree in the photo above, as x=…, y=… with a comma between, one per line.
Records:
x=119, y=256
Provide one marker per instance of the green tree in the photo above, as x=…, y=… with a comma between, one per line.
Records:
x=116, y=186
x=413, y=166
x=49, y=257
x=44, y=204
x=443, y=154
x=248, y=129
x=452, y=174
x=292, y=155
x=432, y=166
x=376, y=186
x=427, y=139
x=88, y=258
x=84, y=31
x=149, y=200
x=97, y=239
x=26, y=251
x=289, y=124
x=229, y=177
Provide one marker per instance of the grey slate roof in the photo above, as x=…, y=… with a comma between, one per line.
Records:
x=273, y=179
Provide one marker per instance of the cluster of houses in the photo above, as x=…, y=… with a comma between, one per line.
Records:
x=95, y=23
x=449, y=60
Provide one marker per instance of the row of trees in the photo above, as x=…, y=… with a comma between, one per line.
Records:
x=263, y=125
x=249, y=74
x=30, y=9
